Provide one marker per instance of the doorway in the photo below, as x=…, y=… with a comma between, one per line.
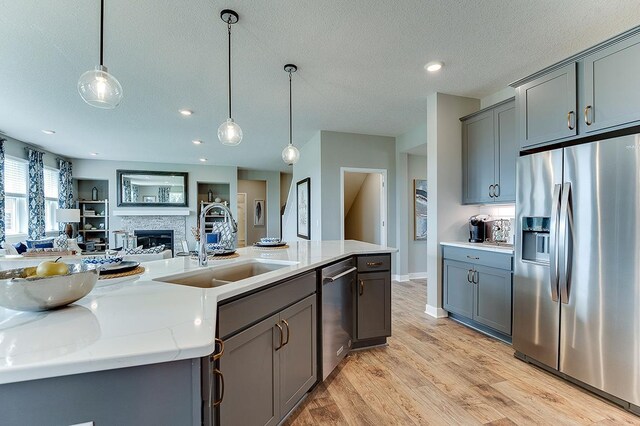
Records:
x=242, y=219
x=252, y=221
x=363, y=205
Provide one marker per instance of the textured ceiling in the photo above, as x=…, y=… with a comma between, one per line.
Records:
x=360, y=67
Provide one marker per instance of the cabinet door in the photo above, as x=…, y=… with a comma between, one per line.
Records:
x=547, y=107
x=478, y=158
x=298, y=366
x=250, y=367
x=458, y=290
x=373, y=305
x=492, y=301
x=611, y=86
x=506, y=152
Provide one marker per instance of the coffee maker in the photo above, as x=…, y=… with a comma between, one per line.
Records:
x=477, y=228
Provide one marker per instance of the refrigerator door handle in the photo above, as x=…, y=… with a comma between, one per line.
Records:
x=553, y=242
x=562, y=240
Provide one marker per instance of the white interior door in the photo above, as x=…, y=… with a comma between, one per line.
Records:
x=242, y=219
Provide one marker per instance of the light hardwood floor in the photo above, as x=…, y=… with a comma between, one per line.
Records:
x=435, y=371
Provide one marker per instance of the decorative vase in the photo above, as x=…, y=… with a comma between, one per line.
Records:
x=210, y=196
x=218, y=199
x=94, y=194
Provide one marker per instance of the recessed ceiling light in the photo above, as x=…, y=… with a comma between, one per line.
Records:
x=197, y=141
x=93, y=154
x=434, y=66
x=185, y=112
x=203, y=159
x=48, y=132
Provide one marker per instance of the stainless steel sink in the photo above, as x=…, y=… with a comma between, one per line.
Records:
x=222, y=275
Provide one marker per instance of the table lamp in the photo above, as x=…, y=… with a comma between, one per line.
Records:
x=68, y=216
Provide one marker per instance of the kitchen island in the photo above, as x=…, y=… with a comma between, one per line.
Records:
x=144, y=341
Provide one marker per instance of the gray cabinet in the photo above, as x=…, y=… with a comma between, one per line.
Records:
x=489, y=153
x=251, y=370
x=373, y=305
x=611, y=87
x=269, y=365
x=492, y=298
x=477, y=289
x=546, y=107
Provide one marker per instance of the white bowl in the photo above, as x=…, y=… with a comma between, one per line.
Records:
x=44, y=293
x=102, y=260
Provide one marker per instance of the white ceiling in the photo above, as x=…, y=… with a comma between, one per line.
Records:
x=360, y=67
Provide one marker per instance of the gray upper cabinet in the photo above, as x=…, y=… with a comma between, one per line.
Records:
x=251, y=372
x=478, y=156
x=611, y=87
x=489, y=153
x=506, y=152
x=373, y=305
x=546, y=107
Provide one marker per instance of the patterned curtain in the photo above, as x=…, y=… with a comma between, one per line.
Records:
x=134, y=193
x=65, y=187
x=2, y=229
x=126, y=183
x=163, y=194
x=36, y=194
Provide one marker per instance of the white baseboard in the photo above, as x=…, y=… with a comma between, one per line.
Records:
x=436, y=312
x=400, y=278
x=409, y=277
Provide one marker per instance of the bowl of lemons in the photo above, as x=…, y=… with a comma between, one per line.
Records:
x=49, y=285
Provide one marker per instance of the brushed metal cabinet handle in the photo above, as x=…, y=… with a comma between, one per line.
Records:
x=281, y=337
x=218, y=373
x=491, y=191
x=371, y=264
x=570, y=122
x=361, y=292
x=469, y=275
x=288, y=332
x=475, y=278
x=217, y=355
x=496, y=190
x=587, y=109
x=473, y=257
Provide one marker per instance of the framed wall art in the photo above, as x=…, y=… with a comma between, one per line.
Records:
x=303, y=208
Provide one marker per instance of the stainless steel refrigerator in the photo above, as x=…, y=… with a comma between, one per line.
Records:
x=577, y=268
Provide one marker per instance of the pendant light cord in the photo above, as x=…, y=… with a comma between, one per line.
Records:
x=101, y=30
x=229, y=31
x=290, y=113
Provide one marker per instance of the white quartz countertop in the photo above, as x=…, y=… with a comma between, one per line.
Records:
x=143, y=321
x=479, y=246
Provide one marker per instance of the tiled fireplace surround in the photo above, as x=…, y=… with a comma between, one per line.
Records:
x=176, y=223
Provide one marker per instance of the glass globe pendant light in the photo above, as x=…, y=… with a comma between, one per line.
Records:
x=97, y=87
x=290, y=153
x=229, y=132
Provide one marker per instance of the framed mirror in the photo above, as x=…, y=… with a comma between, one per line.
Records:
x=145, y=188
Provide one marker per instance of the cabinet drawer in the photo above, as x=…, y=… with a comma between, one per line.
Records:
x=237, y=315
x=374, y=263
x=478, y=257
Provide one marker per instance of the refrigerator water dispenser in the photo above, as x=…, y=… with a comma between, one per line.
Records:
x=535, y=239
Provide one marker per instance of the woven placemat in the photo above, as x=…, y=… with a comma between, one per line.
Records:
x=225, y=257
x=139, y=270
x=286, y=246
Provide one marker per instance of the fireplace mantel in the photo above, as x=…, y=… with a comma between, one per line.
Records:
x=151, y=211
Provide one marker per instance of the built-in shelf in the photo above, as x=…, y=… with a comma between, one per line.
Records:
x=86, y=189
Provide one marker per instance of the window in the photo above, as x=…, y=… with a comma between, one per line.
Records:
x=16, y=183
x=50, y=199
x=15, y=188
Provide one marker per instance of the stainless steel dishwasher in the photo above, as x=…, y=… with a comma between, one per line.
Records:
x=337, y=313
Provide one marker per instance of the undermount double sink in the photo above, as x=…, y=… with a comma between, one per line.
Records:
x=222, y=275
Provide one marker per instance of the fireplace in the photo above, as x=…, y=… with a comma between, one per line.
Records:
x=153, y=238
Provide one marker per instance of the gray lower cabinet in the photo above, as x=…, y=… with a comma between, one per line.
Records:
x=251, y=370
x=611, y=87
x=489, y=153
x=546, y=107
x=373, y=305
x=479, y=289
x=268, y=367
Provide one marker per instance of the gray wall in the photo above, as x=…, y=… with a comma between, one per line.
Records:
x=272, y=197
x=101, y=169
x=285, y=185
x=358, y=151
x=417, y=250
x=309, y=166
x=15, y=148
x=255, y=190
x=362, y=222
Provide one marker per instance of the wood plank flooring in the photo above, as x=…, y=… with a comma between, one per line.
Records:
x=436, y=371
